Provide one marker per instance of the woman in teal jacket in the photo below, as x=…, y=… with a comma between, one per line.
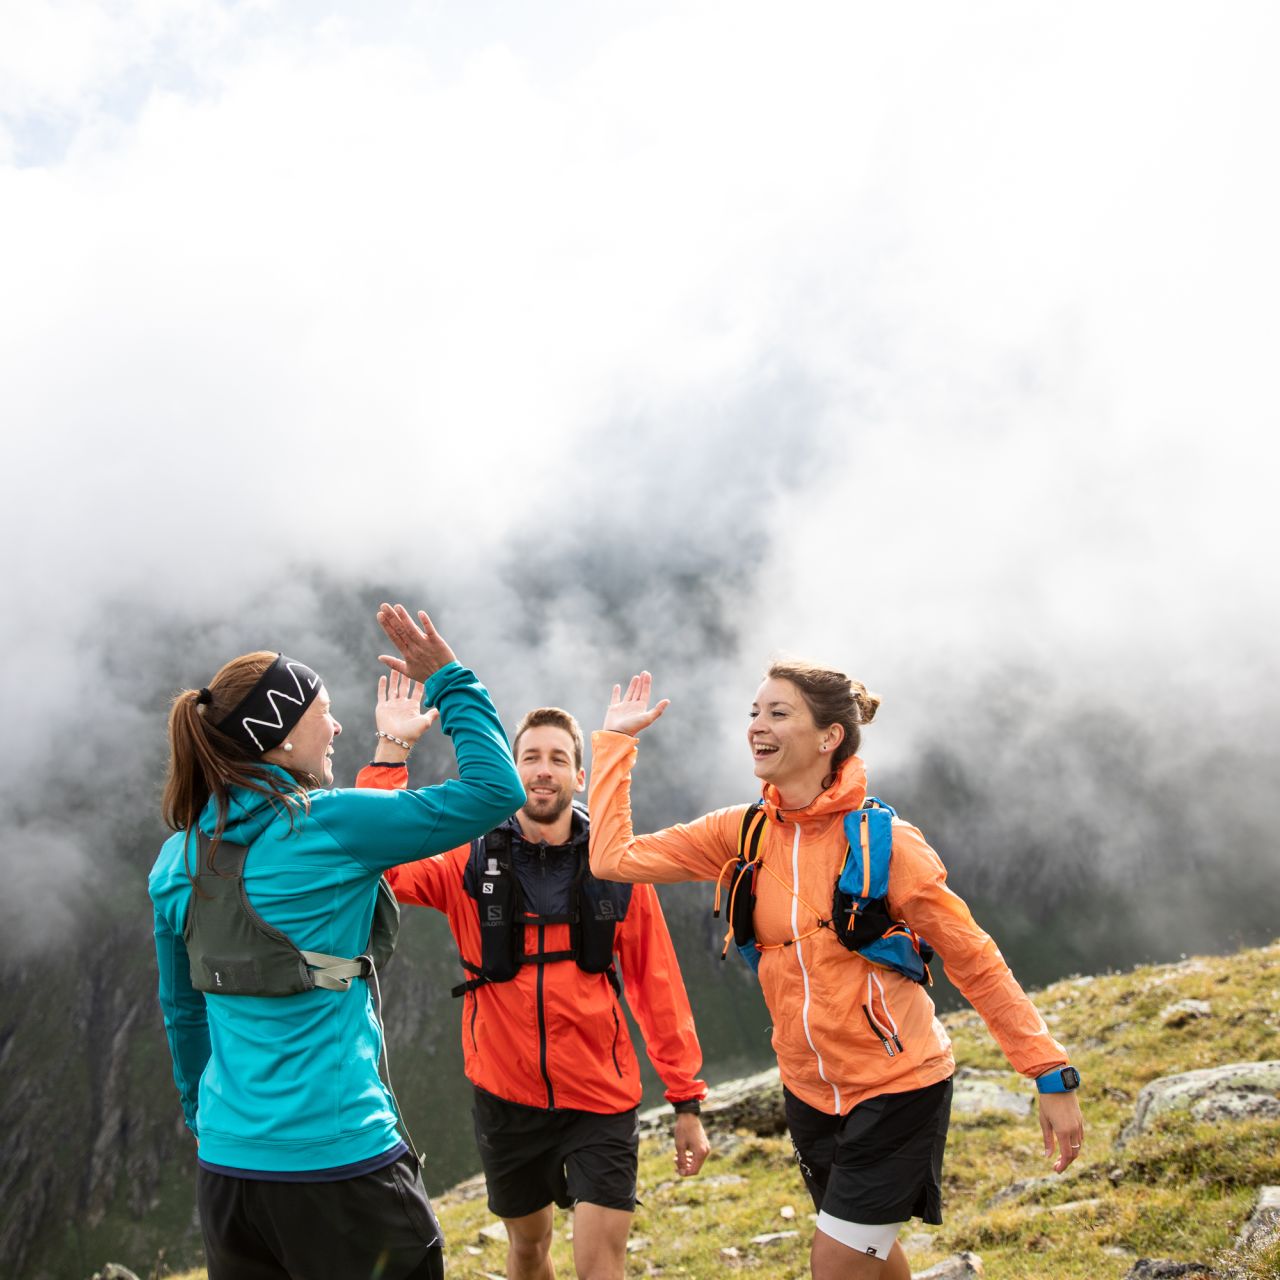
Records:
x=302, y=1172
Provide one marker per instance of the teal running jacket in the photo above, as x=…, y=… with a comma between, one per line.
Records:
x=290, y=1084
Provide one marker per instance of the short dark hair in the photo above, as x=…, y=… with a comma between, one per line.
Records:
x=554, y=716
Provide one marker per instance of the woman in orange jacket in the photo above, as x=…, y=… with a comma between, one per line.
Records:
x=866, y=1066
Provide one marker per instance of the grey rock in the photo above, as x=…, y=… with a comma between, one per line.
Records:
x=1016, y=1190
x=753, y=1103
x=1265, y=1216
x=959, y=1266
x=114, y=1271
x=1075, y=1206
x=1181, y=1012
x=1246, y=1084
x=772, y=1237
x=1165, y=1269
x=973, y=1093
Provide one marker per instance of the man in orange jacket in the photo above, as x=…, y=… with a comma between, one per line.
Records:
x=556, y=1078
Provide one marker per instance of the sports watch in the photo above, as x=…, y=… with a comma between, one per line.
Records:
x=1059, y=1080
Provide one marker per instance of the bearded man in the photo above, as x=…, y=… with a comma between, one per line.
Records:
x=547, y=950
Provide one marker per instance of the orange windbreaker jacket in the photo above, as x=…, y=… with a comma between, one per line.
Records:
x=555, y=1036
x=826, y=1002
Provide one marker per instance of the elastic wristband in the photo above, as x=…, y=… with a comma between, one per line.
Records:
x=689, y=1107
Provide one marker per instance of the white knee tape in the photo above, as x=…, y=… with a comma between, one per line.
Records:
x=874, y=1240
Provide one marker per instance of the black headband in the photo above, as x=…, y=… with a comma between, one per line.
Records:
x=264, y=716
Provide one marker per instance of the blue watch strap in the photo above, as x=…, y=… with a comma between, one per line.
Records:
x=1059, y=1080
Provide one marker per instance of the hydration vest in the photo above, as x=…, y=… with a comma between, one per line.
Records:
x=860, y=916
x=233, y=951
x=595, y=909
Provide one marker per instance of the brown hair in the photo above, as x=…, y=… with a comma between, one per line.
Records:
x=204, y=762
x=554, y=716
x=832, y=698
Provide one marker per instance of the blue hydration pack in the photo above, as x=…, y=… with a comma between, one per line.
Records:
x=860, y=915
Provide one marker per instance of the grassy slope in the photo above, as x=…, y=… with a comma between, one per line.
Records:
x=1183, y=1190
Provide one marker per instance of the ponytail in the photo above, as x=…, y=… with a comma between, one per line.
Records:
x=205, y=763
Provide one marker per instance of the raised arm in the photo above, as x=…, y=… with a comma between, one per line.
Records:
x=385, y=828
x=693, y=851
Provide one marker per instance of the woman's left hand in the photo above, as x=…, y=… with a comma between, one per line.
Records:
x=398, y=710
x=1061, y=1122
x=630, y=712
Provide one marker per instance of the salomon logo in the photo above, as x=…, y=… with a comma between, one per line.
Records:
x=487, y=887
x=495, y=915
x=217, y=978
x=871, y=1253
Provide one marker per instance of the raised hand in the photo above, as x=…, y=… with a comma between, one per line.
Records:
x=398, y=710
x=423, y=650
x=632, y=713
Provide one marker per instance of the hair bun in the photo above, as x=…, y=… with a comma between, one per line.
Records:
x=866, y=700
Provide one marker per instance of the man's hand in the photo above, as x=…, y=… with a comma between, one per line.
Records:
x=1061, y=1121
x=398, y=710
x=423, y=650
x=633, y=714
x=692, y=1147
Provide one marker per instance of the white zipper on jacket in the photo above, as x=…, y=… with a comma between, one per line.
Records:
x=804, y=973
x=884, y=1005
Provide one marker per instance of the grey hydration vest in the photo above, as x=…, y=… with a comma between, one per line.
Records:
x=234, y=952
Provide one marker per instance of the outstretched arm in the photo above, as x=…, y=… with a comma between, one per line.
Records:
x=696, y=851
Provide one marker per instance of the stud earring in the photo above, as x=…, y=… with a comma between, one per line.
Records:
x=288, y=746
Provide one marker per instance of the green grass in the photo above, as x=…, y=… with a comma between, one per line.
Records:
x=1180, y=1190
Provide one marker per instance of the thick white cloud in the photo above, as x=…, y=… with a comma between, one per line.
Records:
x=286, y=287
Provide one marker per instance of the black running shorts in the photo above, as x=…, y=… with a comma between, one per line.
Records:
x=378, y=1223
x=532, y=1156
x=879, y=1163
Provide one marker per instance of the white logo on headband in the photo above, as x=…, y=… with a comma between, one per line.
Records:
x=272, y=695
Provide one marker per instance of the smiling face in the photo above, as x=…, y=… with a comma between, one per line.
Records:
x=312, y=740
x=545, y=763
x=789, y=750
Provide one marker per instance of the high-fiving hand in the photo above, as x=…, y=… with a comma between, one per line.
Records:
x=423, y=650
x=398, y=711
x=632, y=713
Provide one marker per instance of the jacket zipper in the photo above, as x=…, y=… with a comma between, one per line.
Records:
x=880, y=1035
x=888, y=1029
x=804, y=973
x=613, y=1048
x=475, y=1008
x=542, y=1011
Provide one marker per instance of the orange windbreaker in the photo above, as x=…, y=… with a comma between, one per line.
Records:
x=835, y=1015
x=555, y=1036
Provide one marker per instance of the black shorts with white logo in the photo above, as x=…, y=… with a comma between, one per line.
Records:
x=533, y=1157
x=880, y=1162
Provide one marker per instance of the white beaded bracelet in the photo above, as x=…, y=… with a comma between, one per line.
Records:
x=391, y=737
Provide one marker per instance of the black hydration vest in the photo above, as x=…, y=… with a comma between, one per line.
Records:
x=234, y=952
x=595, y=909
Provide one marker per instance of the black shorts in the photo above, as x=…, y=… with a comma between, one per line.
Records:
x=532, y=1156
x=378, y=1223
x=879, y=1163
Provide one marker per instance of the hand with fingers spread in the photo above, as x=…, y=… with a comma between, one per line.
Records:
x=398, y=713
x=423, y=650
x=1061, y=1123
x=631, y=713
